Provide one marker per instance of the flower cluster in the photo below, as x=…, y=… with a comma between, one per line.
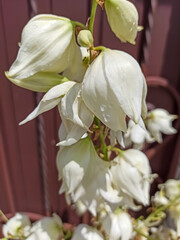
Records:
x=97, y=90
x=20, y=227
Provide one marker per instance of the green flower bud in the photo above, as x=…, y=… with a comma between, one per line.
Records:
x=123, y=19
x=85, y=38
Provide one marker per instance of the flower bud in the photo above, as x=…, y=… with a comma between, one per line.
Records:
x=123, y=19
x=85, y=38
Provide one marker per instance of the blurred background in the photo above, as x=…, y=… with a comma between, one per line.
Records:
x=28, y=177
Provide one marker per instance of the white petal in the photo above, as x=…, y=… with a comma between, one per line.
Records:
x=74, y=109
x=39, y=82
x=72, y=175
x=99, y=97
x=128, y=84
x=76, y=69
x=50, y=100
x=85, y=232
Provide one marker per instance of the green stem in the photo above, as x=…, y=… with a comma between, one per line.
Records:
x=110, y=148
x=3, y=216
x=80, y=24
x=92, y=17
x=160, y=209
x=102, y=139
x=99, y=48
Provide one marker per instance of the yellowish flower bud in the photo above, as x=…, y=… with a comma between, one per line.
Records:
x=85, y=38
x=123, y=19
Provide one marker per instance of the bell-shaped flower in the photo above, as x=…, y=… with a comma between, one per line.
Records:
x=76, y=117
x=159, y=121
x=47, y=45
x=136, y=136
x=83, y=174
x=159, y=199
x=123, y=19
x=17, y=226
x=85, y=232
x=48, y=228
x=131, y=175
x=113, y=87
x=118, y=225
x=51, y=99
x=171, y=188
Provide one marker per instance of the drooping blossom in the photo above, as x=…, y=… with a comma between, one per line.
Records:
x=123, y=19
x=114, y=87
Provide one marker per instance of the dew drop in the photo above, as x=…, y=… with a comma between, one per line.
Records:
x=102, y=107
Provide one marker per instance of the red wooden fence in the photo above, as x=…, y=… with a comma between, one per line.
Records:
x=28, y=178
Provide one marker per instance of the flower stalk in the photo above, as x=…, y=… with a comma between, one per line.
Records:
x=92, y=17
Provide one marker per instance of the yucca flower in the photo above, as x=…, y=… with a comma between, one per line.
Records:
x=114, y=87
x=47, y=46
x=159, y=121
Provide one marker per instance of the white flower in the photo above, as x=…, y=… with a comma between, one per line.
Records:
x=118, y=225
x=17, y=226
x=114, y=87
x=83, y=173
x=136, y=135
x=123, y=19
x=159, y=199
x=47, y=45
x=171, y=188
x=131, y=175
x=85, y=232
x=159, y=121
x=49, y=228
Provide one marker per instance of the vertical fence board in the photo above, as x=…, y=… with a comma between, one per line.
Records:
x=43, y=6
x=24, y=165
x=75, y=10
